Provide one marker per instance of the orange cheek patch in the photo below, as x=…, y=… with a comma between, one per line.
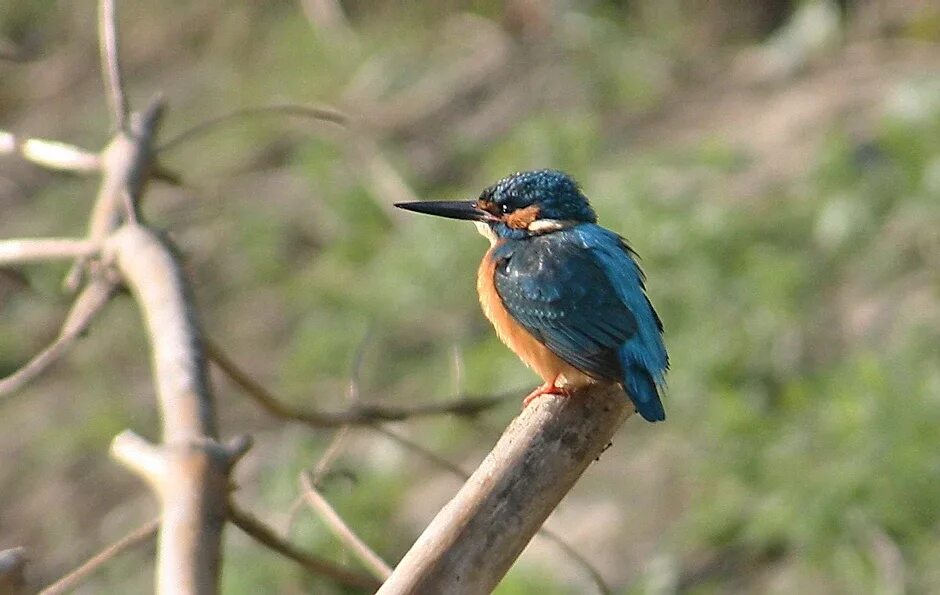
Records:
x=522, y=218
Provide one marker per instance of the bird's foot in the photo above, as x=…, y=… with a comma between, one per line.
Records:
x=548, y=388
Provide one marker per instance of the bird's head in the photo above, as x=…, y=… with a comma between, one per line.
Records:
x=519, y=206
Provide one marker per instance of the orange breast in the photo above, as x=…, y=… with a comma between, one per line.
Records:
x=535, y=355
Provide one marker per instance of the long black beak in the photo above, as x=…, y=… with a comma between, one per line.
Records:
x=453, y=209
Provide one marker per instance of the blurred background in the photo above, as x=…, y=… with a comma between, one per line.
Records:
x=776, y=164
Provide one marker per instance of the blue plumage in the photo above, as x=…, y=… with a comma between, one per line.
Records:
x=572, y=285
x=580, y=292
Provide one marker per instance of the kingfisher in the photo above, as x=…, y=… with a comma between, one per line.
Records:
x=563, y=293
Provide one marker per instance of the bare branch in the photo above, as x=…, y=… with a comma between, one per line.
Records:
x=111, y=65
x=142, y=457
x=341, y=530
x=126, y=165
x=87, y=305
x=190, y=470
x=49, y=153
x=319, y=472
x=359, y=414
x=12, y=567
x=156, y=279
x=476, y=537
x=456, y=471
x=266, y=536
x=73, y=579
x=323, y=114
x=42, y=249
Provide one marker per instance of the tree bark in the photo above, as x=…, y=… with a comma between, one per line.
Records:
x=189, y=471
x=476, y=537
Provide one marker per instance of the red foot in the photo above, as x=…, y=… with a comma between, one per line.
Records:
x=548, y=388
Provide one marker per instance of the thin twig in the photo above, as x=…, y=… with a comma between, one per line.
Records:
x=375, y=564
x=88, y=303
x=319, y=472
x=456, y=471
x=111, y=65
x=323, y=114
x=356, y=415
x=339, y=438
x=70, y=581
x=21, y=251
x=266, y=536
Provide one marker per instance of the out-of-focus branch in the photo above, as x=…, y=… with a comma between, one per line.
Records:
x=358, y=414
x=477, y=536
x=49, y=153
x=88, y=303
x=12, y=568
x=150, y=268
x=70, y=581
x=324, y=114
x=320, y=471
x=25, y=250
x=126, y=163
x=266, y=536
x=341, y=530
x=190, y=470
x=111, y=64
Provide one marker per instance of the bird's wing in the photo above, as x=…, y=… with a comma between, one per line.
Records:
x=643, y=356
x=646, y=349
x=559, y=292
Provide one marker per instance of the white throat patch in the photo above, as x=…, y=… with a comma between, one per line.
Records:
x=486, y=231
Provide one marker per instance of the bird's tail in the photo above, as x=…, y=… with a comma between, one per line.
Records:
x=644, y=393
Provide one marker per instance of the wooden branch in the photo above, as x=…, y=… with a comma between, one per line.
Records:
x=151, y=270
x=73, y=579
x=475, y=538
x=89, y=302
x=544, y=532
x=357, y=414
x=44, y=249
x=190, y=470
x=126, y=165
x=335, y=523
x=50, y=154
x=12, y=568
x=266, y=536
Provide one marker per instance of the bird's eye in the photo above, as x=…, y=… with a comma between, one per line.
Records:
x=504, y=208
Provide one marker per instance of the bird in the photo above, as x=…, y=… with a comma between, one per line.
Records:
x=565, y=294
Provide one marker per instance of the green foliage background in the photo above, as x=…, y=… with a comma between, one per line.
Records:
x=792, y=254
